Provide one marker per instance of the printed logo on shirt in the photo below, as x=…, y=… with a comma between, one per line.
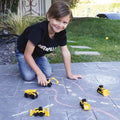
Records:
x=48, y=49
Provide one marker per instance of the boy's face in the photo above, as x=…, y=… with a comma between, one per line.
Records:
x=58, y=25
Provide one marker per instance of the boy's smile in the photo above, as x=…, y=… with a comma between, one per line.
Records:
x=57, y=25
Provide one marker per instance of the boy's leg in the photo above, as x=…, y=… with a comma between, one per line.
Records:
x=44, y=65
x=25, y=70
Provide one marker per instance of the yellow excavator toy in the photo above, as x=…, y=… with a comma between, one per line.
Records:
x=50, y=83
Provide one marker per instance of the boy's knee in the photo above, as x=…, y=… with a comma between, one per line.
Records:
x=28, y=77
x=48, y=74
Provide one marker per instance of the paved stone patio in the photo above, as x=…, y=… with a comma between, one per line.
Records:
x=63, y=99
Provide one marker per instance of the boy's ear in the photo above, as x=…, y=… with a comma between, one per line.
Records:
x=47, y=16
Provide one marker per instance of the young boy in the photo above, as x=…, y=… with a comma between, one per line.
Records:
x=42, y=38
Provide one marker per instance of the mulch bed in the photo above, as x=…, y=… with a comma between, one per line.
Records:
x=7, y=54
x=7, y=44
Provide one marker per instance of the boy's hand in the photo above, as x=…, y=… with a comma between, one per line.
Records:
x=42, y=80
x=75, y=77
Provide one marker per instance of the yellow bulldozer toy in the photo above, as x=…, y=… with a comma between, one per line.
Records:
x=103, y=91
x=84, y=104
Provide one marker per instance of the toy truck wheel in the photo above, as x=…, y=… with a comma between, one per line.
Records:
x=98, y=90
x=81, y=105
x=82, y=101
x=35, y=114
x=41, y=114
x=26, y=95
x=32, y=96
x=49, y=84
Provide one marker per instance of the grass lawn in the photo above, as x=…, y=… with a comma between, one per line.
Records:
x=92, y=32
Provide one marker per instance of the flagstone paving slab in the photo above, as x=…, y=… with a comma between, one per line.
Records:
x=87, y=53
x=64, y=98
x=81, y=47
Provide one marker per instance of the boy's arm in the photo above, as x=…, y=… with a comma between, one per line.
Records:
x=29, y=59
x=67, y=62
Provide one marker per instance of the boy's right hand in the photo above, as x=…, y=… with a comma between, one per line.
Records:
x=42, y=80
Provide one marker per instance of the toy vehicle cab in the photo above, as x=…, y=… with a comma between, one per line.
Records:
x=84, y=104
x=40, y=112
x=31, y=93
x=103, y=91
x=50, y=83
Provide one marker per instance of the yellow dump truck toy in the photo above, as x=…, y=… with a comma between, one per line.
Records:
x=50, y=83
x=40, y=112
x=84, y=104
x=103, y=91
x=31, y=93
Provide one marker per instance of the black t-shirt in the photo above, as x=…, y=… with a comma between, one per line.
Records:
x=38, y=35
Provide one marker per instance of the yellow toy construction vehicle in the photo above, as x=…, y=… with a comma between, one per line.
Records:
x=103, y=91
x=84, y=104
x=49, y=81
x=40, y=112
x=31, y=93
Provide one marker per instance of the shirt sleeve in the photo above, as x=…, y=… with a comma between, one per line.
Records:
x=62, y=38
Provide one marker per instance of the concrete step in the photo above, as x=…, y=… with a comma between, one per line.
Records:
x=86, y=53
x=71, y=41
x=81, y=47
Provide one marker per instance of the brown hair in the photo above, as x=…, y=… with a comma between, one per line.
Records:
x=59, y=9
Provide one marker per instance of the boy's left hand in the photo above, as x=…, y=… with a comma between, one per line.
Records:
x=75, y=77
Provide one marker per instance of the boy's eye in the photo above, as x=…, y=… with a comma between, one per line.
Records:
x=65, y=22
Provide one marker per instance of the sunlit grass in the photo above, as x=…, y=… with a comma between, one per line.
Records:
x=92, y=32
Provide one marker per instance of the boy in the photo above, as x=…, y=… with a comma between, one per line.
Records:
x=42, y=38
